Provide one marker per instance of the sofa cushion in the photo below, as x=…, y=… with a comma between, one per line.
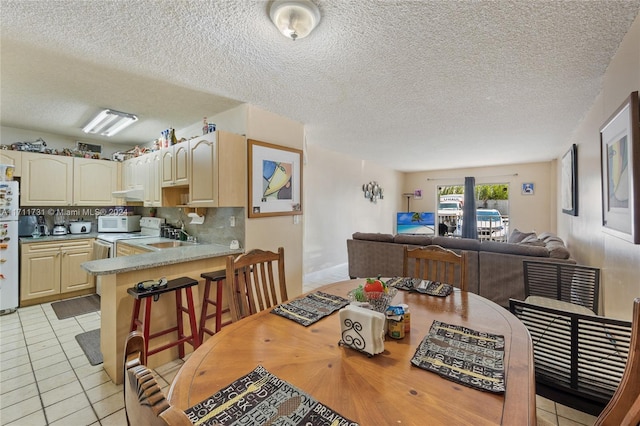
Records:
x=373, y=236
x=517, y=249
x=557, y=250
x=517, y=236
x=416, y=240
x=457, y=243
x=546, y=235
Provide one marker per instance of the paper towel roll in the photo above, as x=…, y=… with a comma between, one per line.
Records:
x=196, y=219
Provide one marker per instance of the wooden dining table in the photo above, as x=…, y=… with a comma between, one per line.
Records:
x=384, y=389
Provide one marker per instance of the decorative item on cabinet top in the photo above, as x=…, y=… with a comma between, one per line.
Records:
x=373, y=191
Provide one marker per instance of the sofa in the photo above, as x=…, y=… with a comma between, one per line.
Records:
x=494, y=269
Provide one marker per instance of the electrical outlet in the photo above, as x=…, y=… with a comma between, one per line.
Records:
x=232, y=221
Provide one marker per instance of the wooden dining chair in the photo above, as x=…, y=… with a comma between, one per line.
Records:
x=144, y=401
x=624, y=407
x=255, y=286
x=436, y=263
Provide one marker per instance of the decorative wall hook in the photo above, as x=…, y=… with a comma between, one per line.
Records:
x=373, y=191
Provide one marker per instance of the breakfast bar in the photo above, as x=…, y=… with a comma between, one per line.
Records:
x=118, y=274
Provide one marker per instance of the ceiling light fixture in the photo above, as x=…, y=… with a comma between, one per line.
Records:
x=294, y=18
x=109, y=122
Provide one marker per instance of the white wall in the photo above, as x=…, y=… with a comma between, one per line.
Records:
x=335, y=206
x=526, y=212
x=619, y=260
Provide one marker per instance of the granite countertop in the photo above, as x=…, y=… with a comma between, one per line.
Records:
x=158, y=257
x=49, y=238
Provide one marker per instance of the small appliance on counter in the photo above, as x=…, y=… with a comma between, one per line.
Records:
x=59, y=227
x=80, y=227
x=118, y=223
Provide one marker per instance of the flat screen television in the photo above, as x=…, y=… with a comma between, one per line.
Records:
x=415, y=223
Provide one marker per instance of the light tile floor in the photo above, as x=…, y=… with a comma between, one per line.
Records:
x=45, y=378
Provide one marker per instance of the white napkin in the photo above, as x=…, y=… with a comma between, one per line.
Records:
x=362, y=329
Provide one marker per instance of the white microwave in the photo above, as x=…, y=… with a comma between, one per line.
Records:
x=118, y=223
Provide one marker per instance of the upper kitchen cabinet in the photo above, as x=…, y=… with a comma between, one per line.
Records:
x=217, y=174
x=175, y=165
x=47, y=180
x=12, y=157
x=55, y=180
x=94, y=182
x=153, y=188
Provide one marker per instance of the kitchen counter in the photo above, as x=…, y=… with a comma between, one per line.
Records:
x=157, y=257
x=117, y=275
x=49, y=238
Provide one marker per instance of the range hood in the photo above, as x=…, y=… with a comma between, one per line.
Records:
x=133, y=194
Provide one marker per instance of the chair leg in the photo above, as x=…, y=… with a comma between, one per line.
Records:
x=147, y=323
x=179, y=310
x=195, y=338
x=134, y=315
x=219, y=286
x=203, y=313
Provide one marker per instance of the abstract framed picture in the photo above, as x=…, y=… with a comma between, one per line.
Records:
x=569, y=181
x=275, y=180
x=528, y=188
x=620, y=165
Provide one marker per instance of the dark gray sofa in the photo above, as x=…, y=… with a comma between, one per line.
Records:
x=494, y=269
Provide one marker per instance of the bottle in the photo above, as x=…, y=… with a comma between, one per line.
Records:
x=407, y=318
x=174, y=140
x=205, y=126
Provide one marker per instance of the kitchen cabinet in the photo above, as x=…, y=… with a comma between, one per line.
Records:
x=94, y=181
x=153, y=188
x=12, y=157
x=51, y=269
x=218, y=168
x=175, y=165
x=47, y=180
x=124, y=249
x=55, y=180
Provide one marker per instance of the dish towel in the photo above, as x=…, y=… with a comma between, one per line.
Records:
x=261, y=398
x=362, y=329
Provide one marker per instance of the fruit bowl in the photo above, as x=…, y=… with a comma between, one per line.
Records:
x=378, y=301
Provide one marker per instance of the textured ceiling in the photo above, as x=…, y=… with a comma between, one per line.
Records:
x=412, y=85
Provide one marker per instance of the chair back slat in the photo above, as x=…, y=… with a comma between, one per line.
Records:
x=624, y=407
x=145, y=403
x=436, y=263
x=257, y=287
x=570, y=283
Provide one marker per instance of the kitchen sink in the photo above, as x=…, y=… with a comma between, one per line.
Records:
x=171, y=244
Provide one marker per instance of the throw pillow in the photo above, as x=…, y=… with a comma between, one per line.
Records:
x=517, y=236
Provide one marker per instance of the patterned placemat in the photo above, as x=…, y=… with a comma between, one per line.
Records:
x=463, y=355
x=260, y=398
x=310, y=308
x=432, y=288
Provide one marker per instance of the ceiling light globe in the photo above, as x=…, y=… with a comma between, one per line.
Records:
x=294, y=18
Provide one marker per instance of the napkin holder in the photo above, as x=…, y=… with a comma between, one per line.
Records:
x=362, y=329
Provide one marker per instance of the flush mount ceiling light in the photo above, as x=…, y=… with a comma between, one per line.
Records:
x=109, y=122
x=294, y=18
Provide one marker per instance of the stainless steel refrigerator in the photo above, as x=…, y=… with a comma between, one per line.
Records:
x=9, y=279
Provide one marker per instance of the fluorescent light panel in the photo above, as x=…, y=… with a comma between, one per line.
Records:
x=109, y=122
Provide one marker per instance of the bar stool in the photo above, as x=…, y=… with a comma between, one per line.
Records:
x=218, y=277
x=176, y=286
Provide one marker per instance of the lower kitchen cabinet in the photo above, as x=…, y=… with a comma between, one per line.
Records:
x=124, y=249
x=52, y=269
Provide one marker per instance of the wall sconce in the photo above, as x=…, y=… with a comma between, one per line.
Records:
x=109, y=122
x=373, y=191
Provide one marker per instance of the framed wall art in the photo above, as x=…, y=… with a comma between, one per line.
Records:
x=528, y=188
x=569, y=181
x=620, y=165
x=275, y=180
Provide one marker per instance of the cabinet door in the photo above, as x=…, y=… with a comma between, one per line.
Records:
x=72, y=276
x=155, y=179
x=181, y=162
x=203, y=187
x=94, y=181
x=128, y=167
x=39, y=272
x=167, y=166
x=47, y=180
x=123, y=249
x=12, y=157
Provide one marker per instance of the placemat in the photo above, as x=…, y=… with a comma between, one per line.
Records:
x=260, y=398
x=310, y=308
x=463, y=355
x=432, y=288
